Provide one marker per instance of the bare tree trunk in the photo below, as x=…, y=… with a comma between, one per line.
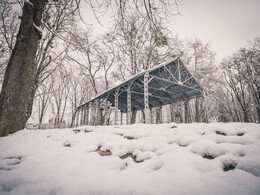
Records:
x=158, y=115
x=246, y=116
x=178, y=116
x=73, y=119
x=203, y=114
x=18, y=89
x=143, y=114
x=133, y=117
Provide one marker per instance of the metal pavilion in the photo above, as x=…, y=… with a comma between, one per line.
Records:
x=164, y=84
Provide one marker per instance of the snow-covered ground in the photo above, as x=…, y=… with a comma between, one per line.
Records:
x=136, y=159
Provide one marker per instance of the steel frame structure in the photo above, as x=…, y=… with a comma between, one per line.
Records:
x=165, y=84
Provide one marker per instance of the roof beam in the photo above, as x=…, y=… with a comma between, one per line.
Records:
x=170, y=73
x=150, y=95
x=175, y=83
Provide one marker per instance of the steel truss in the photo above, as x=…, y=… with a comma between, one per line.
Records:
x=164, y=84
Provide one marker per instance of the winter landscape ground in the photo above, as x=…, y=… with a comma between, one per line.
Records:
x=170, y=158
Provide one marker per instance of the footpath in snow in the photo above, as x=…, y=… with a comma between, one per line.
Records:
x=136, y=159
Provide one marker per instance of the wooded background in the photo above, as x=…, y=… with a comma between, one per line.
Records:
x=73, y=63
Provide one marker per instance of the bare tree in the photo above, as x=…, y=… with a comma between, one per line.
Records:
x=241, y=73
x=42, y=98
x=107, y=58
x=228, y=108
x=57, y=18
x=87, y=56
x=9, y=23
x=139, y=47
x=155, y=12
x=79, y=92
x=201, y=61
x=249, y=61
x=60, y=96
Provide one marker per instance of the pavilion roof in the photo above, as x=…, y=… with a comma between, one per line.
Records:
x=168, y=83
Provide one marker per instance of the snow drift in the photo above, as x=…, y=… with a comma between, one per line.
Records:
x=136, y=159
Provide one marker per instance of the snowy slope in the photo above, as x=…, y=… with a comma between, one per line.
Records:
x=136, y=159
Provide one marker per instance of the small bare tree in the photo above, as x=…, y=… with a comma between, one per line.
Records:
x=87, y=55
x=9, y=23
x=60, y=95
x=42, y=98
x=79, y=92
x=201, y=62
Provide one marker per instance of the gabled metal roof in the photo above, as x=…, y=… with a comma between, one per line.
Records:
x=168, y=83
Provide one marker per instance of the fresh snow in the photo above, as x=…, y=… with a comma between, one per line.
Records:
x=155, y=159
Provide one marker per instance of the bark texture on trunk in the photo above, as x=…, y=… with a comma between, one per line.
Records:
x=16, y=98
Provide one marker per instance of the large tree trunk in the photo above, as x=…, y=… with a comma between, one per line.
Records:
x=16, y=98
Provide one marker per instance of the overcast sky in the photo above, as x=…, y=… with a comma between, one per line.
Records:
x=227, y=24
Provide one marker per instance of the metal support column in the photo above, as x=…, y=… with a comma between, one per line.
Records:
x=128, y=105
x=86, y=114
x=146, y=98
x=206, y=109
x=106, y=112
x=83, y=115
x=116, y=106
x=92, y=115
x=79, y=118
x=98, y=112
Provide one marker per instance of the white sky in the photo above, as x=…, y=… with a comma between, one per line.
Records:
x=226, y=24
